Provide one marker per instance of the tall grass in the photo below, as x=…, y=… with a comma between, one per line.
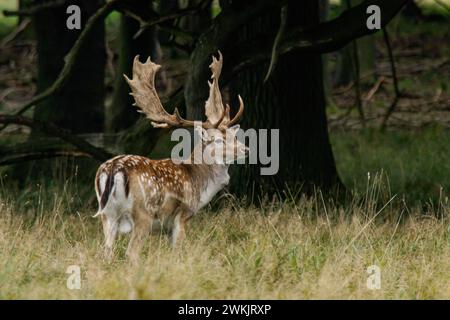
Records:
x=309, y=248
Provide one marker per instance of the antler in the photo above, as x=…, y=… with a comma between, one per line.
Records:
x=146, y=98
x=214, y=109
x=214, y=106
x=237, y=116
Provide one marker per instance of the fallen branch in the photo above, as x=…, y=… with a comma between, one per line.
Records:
x=53, y=130
x=375, y=88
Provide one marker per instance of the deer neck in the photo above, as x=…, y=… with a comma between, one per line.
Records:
x=207, y=180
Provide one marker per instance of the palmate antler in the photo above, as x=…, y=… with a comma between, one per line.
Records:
x=146, y=98
x=214, y=106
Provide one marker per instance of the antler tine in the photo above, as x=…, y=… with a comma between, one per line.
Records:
x=214, y=109
x=239, y=114
x=146, y=98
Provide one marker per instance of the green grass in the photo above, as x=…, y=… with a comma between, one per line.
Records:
x=415, y=163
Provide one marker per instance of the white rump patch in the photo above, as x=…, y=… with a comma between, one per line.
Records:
x=118, y=202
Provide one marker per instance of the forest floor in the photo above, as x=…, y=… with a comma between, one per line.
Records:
x=421, y=53
x=398, y=220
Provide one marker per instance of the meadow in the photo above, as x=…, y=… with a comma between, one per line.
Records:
x=304, y=249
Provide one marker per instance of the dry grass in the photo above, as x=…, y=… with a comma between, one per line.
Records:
x=304, y=250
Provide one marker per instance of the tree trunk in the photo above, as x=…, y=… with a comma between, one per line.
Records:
x=121, y=114
x=292, y=101
x=78, y=106
x=324, y=9
x=198, y=22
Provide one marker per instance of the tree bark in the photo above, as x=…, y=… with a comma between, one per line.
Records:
x=200, y=21
x=292, y=101
x=78, y=106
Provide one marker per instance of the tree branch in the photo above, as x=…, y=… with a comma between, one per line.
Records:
x=214, y=38
x=70, y=59
x=21, y=27
x=52, y=130
x=395, y=80
x=322, y=38
x=278, y=37
x=357, y=76
x=35, y=9
x=147, y=20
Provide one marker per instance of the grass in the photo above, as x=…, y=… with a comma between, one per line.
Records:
x=415, y=162
x=307, y=249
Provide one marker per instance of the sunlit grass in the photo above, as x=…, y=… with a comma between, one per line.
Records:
x=305, y=249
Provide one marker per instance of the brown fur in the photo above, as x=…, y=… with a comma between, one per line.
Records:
x=159, y=189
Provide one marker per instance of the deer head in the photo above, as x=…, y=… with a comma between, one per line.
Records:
x=218, y=132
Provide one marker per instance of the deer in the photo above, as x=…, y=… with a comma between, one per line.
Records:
x=134, y=192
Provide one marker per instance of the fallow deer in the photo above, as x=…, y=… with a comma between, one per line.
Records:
x=134, y=191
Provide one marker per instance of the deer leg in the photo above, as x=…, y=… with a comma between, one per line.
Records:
x=179, y=224
x=110, y=226
x=141, y=228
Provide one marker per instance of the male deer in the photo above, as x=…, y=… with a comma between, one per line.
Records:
x=134, y=191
